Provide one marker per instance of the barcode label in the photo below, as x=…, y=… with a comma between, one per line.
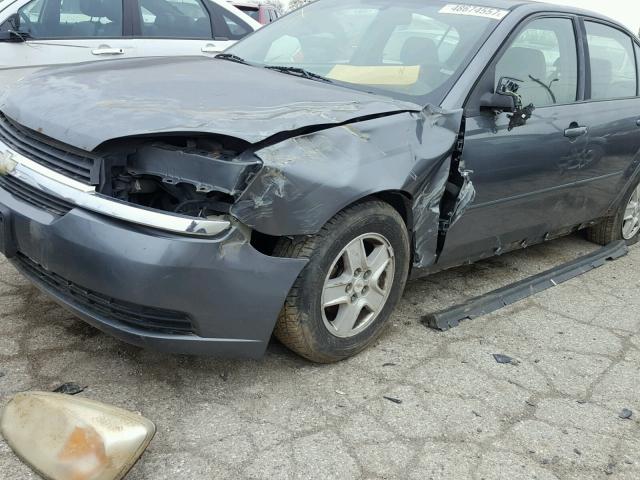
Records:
x=475, y=11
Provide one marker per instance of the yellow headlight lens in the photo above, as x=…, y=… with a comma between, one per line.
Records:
x=71, y=438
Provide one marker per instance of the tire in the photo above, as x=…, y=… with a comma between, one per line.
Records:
x=304, y=325
x=611, y=228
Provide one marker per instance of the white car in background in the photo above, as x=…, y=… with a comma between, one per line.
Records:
x=40, y=33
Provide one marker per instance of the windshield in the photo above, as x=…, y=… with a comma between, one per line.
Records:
x=409, y=49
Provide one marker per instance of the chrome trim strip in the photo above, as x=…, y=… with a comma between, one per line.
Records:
x=85, y=196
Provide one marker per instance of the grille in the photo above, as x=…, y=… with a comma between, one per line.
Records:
x=35, y=197
x=146, y=318
x=69, y=161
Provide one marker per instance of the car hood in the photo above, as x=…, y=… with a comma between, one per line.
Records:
x=87, y=105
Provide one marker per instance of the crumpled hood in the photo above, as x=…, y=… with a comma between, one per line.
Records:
x=87, y=105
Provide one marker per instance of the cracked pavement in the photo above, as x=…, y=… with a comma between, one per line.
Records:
x=554, y=415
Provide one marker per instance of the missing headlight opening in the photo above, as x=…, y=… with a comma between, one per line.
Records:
x=192, y=176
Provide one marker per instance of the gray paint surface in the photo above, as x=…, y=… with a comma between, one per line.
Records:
x=88, y=105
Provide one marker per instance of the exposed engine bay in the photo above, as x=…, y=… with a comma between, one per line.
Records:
x=196, y=176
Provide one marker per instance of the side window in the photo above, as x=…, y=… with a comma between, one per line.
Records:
x=174, y=19
x=544, y=60
x=72, y=18
x=227, y=25
x=252, y=12
x=32, y=11
x=613, y=63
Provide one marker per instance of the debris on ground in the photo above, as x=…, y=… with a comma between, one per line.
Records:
x=70, y=389
x=394, y=400
x=577, y=452
x=626, y=414
x=505, y=359
x=389, y=364
x=609, y=469
x=340, y=392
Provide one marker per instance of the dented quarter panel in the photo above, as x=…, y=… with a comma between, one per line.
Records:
x=307, y=179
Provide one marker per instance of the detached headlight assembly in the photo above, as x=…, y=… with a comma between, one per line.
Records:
x=69, y=438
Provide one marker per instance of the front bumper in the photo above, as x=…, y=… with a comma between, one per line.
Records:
x=104, y=269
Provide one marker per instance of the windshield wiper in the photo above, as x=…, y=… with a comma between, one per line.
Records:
x=231, y=58
x=299, y=72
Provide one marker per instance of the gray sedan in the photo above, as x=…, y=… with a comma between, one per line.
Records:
x=297, y=181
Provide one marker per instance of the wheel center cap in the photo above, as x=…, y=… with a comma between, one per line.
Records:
x=359, y=285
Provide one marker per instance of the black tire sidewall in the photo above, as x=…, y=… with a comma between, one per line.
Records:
x=385, y=222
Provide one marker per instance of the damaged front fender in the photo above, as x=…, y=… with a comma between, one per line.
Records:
x=307, y=179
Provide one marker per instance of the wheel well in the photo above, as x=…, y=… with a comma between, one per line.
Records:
x=400, y=201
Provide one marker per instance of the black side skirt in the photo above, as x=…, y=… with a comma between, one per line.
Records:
x=493, y=301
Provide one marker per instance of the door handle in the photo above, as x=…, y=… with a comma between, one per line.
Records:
x=211, y=48
x=575, y=132
x=107, y=51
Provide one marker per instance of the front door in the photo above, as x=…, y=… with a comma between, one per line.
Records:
x=64, y=31
x=185, y=28
x=535, y=180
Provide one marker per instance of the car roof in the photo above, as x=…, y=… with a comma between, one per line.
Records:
x=527, y=7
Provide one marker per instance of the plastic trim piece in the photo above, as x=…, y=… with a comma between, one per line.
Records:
x=493, y=301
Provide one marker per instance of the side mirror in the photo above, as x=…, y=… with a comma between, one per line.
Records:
x=498, y=102
x=10, y=30
x=505, y=98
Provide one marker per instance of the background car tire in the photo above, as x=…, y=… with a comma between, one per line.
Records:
x=610, y=229
x=302, y=325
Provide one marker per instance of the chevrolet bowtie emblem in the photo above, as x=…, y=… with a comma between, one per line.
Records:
x=7, y=163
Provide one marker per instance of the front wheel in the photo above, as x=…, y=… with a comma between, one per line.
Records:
x=357, y=270
x=624, y=225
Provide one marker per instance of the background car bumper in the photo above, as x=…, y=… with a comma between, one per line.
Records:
x=176, y=294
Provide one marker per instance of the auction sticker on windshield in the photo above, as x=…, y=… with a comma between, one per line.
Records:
x=475, y=11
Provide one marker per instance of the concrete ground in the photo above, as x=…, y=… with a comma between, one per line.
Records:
x=553, y=415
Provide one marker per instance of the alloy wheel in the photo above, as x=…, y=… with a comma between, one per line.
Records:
x=631, y=222
x=358, y=285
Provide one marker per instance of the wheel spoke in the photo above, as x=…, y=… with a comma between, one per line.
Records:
x=347, y=317
x=378, y=261
x=630, y=227
x=375, y=299
x=631, y=210
x=356, y=257
x=335, y=292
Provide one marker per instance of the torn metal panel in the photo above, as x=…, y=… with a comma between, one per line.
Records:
x=88, y=105
x=427, y=217
x=465, y=198
x=528, y=287
x=202, y=170
x=307, y=179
